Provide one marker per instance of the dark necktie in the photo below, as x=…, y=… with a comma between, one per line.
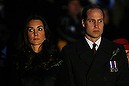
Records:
x=93, y=49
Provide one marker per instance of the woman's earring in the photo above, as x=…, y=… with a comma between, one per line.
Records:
x=45, y=38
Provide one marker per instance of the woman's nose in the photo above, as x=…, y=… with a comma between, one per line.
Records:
x=35, y=33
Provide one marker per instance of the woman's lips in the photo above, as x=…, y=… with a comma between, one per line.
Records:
x=36, y=39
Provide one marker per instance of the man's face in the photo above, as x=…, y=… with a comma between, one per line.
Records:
x=94, y=23
x=127, y=52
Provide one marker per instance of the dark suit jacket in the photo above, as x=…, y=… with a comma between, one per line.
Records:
x=82, y=68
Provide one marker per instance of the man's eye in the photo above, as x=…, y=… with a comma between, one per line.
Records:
x=100, y=20
x=91, y=21
x=30, y=30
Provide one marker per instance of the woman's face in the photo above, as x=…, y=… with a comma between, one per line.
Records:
x=36, y=33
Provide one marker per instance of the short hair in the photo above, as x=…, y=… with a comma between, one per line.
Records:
x=91, y=6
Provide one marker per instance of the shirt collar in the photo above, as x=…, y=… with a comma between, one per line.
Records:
x=91, y=43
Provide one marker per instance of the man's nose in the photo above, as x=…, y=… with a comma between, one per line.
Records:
x=96, y=24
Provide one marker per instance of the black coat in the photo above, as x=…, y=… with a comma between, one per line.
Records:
x=27, y=68
x=82, y=68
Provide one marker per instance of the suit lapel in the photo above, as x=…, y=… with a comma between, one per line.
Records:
x=103, y=54
x=84, y=52
x=105, y=50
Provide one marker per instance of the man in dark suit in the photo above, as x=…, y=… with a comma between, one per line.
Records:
x=81, y=67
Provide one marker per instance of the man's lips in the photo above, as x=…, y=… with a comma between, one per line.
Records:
x=95, y=30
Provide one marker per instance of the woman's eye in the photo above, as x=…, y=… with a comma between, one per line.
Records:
x=30, y=30
x=40, y=29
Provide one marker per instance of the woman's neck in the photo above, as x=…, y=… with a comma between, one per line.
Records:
x=36, y=48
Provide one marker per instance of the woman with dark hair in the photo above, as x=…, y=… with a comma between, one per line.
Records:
x=37, y=62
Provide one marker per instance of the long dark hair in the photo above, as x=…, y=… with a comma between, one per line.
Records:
x=46, y=29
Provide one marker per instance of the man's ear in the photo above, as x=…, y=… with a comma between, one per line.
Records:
x=83, y=23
